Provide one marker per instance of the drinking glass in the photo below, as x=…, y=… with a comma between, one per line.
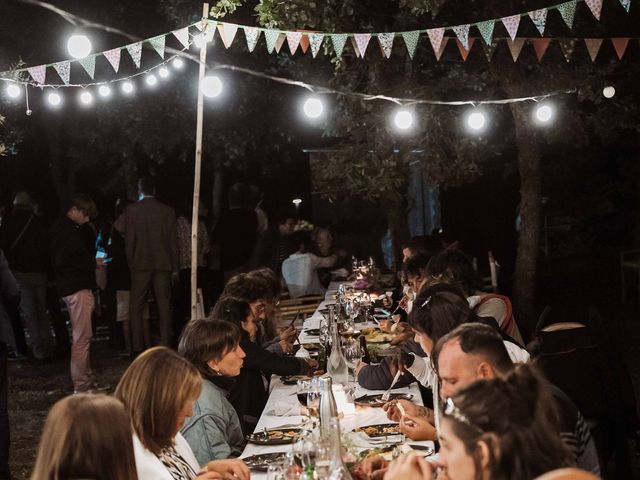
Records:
x=302, y=388
x=352, y=352
x=275, y=472
x=313, y=398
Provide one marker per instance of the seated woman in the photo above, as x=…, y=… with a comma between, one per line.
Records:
x=213, y=347
x=86, y=436
x=499, y=429
x=249, y=394
x=158, y=391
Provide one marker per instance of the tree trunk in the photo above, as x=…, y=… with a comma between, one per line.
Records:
x=530, y=212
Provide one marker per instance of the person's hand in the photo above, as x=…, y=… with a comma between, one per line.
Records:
x=404, y=303
x=206, y=475
x=313, y=364
x=289, y=334
x=401, y=361
x=374, y=467
x=417, y=428
x=410, y=466
x=286, y=346
x=229, y=469
x=394, y=412
x=403, y=332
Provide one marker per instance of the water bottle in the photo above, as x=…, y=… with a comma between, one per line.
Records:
x=336, y=363
x=328, y=408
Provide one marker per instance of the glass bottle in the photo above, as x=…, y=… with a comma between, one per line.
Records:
x=328, y=408
x=339, y=470
x=336, y=363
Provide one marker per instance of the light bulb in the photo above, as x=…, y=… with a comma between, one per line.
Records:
x=403, y=119
x=313, y=107
x=163, y=72
x=296, y=201
x=104, y=91
x=476, y=120
x=13, y=90
x=211, y=86
x=54, y=99
x=79, y=46
x=544, y=113
x=178, y=63
x=86, y=98
x=609, y=91
x=128, y=88
x=151, y=80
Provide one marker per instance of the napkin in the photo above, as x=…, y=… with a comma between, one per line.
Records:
x=285, y=410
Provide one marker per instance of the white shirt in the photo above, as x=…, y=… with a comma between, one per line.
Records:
x=299, y=271
x=150, y=467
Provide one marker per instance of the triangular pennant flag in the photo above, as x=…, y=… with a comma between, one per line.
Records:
x=511, y=23
x=315, y=39
x=489, y=49
x=114, y=58
x=338, y=40
x=626, y=4
x=568, y=12
x=355, y=47
x=539, y=19
x=411, y=41
x=89, y=65
x=435, y=37
x=462, y=32
x=486, y=30
x=158, y=44
x=362, y=41
x=595, y=6
x=38, y=73
x=135, y=50
x=183, y=36
x=386, y=43
x=620, y=44
x=227, y=33
x=443, y=45
x=304, y=43
x=515, y=47
x=464, y=53
x=280, y=41
x=200, y=25
x=540, y=45
x=252, y=34
x=593, y=47
x=271, y=36
x=293, y=40
x=64, y=70
x=568, y=46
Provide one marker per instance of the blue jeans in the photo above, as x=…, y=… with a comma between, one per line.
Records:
x=33, y=310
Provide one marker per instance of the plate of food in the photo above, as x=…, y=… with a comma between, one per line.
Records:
x=263, y=461
x=313, y=332
x=379, y=337
x=312, y=347
x=380, y=430
x=280, y=436
x=384, y=452
x=370, y=330
x=293, y=379
x=376, y=400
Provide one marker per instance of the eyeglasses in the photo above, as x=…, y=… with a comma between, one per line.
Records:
x=451, y=410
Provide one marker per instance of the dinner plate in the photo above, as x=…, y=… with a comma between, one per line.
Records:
x=376, y=400
x=281, y=436
x=384, y=452
x=293, y=379
x=263, y=461
x=379, y=430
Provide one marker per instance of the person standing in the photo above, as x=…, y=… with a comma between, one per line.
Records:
x=74, y=262
x=152, y=252
x=24, y=240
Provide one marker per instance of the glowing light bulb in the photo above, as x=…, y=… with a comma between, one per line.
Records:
x=313, y=107
x=163, y=72
x=13, y=90
x=211, y=86
x=104, y=91
x=178, y=63
x=296, y=201
x=151, y=80
x=544, y=113
x=476, y=120
x=128, y=88
x=54, y=99
x=609, y=91
x=86, y=98
x=403, y=119
x=79, y=46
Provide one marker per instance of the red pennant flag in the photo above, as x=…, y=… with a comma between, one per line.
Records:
x=620, y=44
x=593, y=47
x=304, y=43
x=464, y=53
x=540, y=45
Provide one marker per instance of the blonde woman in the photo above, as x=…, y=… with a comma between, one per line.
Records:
x=86, y=436
x=158, y=390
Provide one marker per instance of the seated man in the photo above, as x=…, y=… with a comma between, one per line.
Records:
x=474, y=352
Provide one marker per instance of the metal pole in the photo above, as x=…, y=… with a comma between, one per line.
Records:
x=198, y=167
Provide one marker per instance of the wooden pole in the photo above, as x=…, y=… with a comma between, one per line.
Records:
x=198, y=168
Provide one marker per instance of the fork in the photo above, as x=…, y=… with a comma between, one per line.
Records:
x=386, y=395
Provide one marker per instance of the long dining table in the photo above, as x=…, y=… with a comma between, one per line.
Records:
x=284, y=410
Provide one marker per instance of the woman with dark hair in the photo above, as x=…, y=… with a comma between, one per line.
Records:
x=497, y=429
x=213, y=347
x=249, y=394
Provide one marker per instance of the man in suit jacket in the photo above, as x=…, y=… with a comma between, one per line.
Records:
x=152, y=252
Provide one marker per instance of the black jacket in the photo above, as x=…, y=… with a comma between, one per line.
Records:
x=74, y=256
x=249, y=394
x=378, y=377
x=30, y=253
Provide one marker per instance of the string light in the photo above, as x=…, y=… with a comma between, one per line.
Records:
x=151, y=80
x=178, y=63
x=211, y=86
x=163, y=72
x=403, y=119
x=609, y=91
x=104, y=91
x=313, y=107
x=476, y=120
x=79, y=46
x=54, y=99
x=544, y=113
x=13, y=90
x=86, y=98
x=127, y=87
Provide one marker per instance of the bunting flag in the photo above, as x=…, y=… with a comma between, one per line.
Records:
x=515, y=47
x=539, y=19
x=158, y=44
x=355, y=47
x=464, y=53
x=135, y=50
x=338, y=40
x=486, y=30
x=114, y=58
x=280, y=41
x=315, y=40
x=540, y=45
x=595, y=6
x=462, y=32
x=200, y=25
x=227, y=33
x=511, y=24
x=183, y=36
x=210, y=32
x=489, y=49
x=386, y=43
x=304, y=43
x=252, y=35
x=293, y=40
x=568, y=12
x=620, y=44
x=89, y=65
x=593, y=47
x=443, y=45
x=626, y=4
x=38, y=73
x=271, y=36
x=435, y=37
x=568, y=46
x=411, y=41
x=64, y=70
x=362, y=41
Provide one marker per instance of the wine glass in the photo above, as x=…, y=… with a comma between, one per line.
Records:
x=352, y=352
x=313, y=398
